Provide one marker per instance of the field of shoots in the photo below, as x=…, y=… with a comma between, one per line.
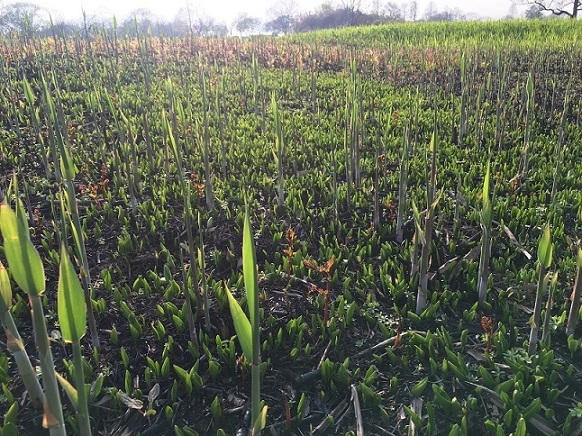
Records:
x=359, y=231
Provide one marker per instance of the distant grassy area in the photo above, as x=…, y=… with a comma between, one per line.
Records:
x=548, y=33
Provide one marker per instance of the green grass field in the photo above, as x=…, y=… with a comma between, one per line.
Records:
x=399, y=280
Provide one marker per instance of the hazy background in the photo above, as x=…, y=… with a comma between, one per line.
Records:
x=228, y=10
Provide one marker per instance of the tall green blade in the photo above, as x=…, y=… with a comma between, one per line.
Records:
x=23, y=259
x=242, y=326
x=71, y=301
x=250, y=270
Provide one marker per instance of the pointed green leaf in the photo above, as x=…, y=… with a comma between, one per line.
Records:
x=5, y=288
x=521, y=429
x=260, y=422
x=68, y=167
x=419, y=230
x=434, y=140
x=23, y=259
x=545, y=248
x=242, y=326
x=69, y=390
x=71, y=301
x=579, y=258
x=486, y=186
x=250, y=270
x=418, y=389
x=22, y=220
x=28, y=93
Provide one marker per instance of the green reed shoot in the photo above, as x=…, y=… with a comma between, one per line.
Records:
x=73, y=323
x=545, y=249
x=36, y=122
x=279, y=152
x=560, y=149
x=206, y=142
x=28, y=272
x=486, y=216
x=426, y=236
x=463, y=109
x=529, y=109
x=14, y=342
x=68, y=171
x=220, y=114
x=574, y=314
x=188, y=218
x=548, y=312
x=403, y=185
x=203, y=278
x=248, y=328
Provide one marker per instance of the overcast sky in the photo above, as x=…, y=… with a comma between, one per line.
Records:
x=227, y=10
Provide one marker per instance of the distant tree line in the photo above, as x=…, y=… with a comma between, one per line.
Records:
x=283, y=17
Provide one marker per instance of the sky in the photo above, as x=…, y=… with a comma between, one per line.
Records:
x=227, y=10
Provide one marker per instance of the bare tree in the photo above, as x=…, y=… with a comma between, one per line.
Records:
x=412, y=10
x=351, y=5
x=533, y=12
x=20, y=17
x=376, y=7
x=394, y=12
x=281, y=17
x=246, y=25
x=350, y=8
x=567, y=8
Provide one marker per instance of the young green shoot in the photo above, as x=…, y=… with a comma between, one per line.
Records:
x=486, y=218
x=14, y=342
x=545, y=249
x=28, y=272
x=573, y=316
x=432, y=201
x=73, y=323
x=248, y=328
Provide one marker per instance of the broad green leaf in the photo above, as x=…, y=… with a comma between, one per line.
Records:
x=579, y=258
x=23, y=259
x=71, y=301
x=242, y=326
x=5, y=288
x=250, y=270
x=545, y=248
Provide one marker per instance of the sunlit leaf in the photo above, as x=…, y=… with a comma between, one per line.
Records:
x=545, y=248
x=260, y=422
x=23, y=259
x=242, y=326
x=5, y=288
x=71, y=301
x=69, y=390
x=250, y=270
